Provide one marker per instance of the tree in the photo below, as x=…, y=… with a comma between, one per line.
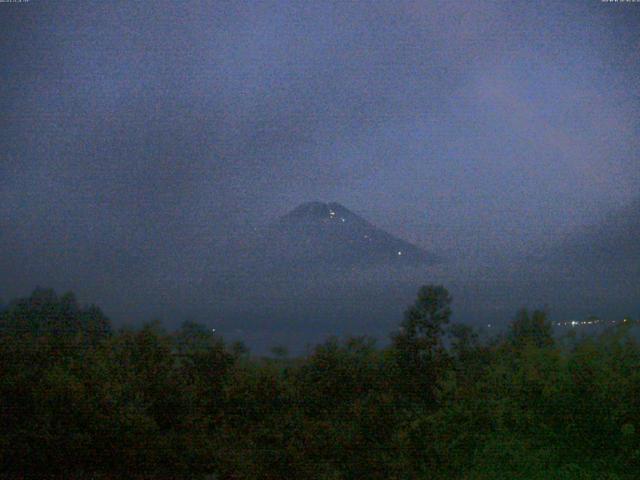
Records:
x=464, y=340
x=422, y=327
x=419, y=344
x=531, y=329
x=59, y=319
x=193, y=337
x=279, y=351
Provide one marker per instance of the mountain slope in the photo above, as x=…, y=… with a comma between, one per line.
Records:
x=615, y=239
x=330, y=235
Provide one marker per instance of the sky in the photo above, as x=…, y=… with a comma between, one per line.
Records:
x=139, y=137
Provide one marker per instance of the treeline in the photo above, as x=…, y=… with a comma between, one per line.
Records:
x=81, y=400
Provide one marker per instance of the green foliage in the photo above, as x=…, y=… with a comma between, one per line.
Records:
x=80, y=401
x=280, y=351
x=425, y=319
x=420, y=353
x=534, y=328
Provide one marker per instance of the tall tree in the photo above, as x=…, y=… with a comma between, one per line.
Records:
x=531, y=329
x=419, y=347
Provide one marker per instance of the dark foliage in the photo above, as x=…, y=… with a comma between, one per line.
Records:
x=78, y=400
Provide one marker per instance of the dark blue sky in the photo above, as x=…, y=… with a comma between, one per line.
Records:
x=137, y=137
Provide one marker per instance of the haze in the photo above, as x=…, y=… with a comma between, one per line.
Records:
x=143, y=143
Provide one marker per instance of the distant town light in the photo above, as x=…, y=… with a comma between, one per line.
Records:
x=399, y=252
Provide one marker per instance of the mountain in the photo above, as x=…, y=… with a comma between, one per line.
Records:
x=594, y=269
x=614, y=239
x=319, y=269
x=329, y=235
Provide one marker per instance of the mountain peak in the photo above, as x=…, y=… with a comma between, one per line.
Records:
x=329, y=233
x=318, y=211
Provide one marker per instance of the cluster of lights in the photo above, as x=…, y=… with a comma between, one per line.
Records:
x=332, y=214
x=574, y=323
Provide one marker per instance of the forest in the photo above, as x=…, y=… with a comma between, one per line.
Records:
x=81, y=399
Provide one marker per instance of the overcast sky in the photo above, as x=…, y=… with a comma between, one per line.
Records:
x=137, y=136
